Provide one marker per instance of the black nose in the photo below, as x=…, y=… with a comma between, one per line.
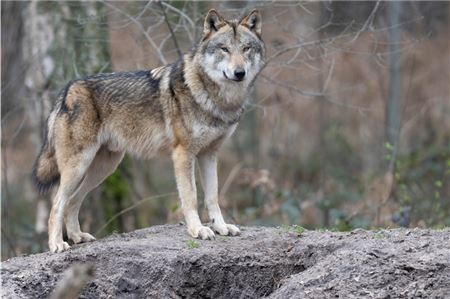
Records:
x=239, y=74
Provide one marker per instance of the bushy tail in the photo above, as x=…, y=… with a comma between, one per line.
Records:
x=45, y=172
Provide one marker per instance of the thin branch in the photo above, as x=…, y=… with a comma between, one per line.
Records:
x=330, y=72
x=139, y=25
x=138, y=203
x=295, y=47
x=368, y=21
x=181, y=13
x=127, y=22
x=330, y=40
x=177, y=47
x=231, y=176
x=283, y=84
x=316, y=94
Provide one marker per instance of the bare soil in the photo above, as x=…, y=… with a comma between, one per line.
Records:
x=164, y=262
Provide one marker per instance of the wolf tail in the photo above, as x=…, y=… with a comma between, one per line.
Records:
x=45, y=171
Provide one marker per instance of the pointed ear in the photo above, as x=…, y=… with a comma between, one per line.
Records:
x=252, y=21
x=213, y=22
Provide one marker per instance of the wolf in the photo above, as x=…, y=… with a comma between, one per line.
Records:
x=187, y=108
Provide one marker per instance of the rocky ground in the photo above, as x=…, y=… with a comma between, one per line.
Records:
x=287, y=262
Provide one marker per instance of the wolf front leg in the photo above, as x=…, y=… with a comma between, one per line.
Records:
x=208, y=168
x=184, y=164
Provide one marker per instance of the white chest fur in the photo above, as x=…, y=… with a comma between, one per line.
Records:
x=205, y=134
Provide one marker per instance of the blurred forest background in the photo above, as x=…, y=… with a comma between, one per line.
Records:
x=349, y=126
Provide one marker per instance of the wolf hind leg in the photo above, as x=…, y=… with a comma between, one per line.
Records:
x=103, y=165
x=208, y=170
x=72, y=175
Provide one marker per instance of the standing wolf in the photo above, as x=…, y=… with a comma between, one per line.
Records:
x=189, y=108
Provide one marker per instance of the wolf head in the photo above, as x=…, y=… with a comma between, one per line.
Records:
x=232, y=51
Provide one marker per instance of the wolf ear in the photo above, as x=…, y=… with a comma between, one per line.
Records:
x=252, y=21
x=213, y=22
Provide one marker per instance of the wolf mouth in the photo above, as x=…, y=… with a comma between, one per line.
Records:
x=235, y=80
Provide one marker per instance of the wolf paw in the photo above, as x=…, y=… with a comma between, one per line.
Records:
x=81, y=237
x=227, y=229
x=58, y=246
x=202, y=232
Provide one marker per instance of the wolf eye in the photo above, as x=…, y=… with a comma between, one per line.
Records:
x=225, y=49
x=246, y=49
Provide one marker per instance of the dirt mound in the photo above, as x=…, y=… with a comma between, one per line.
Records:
x=163, y=262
